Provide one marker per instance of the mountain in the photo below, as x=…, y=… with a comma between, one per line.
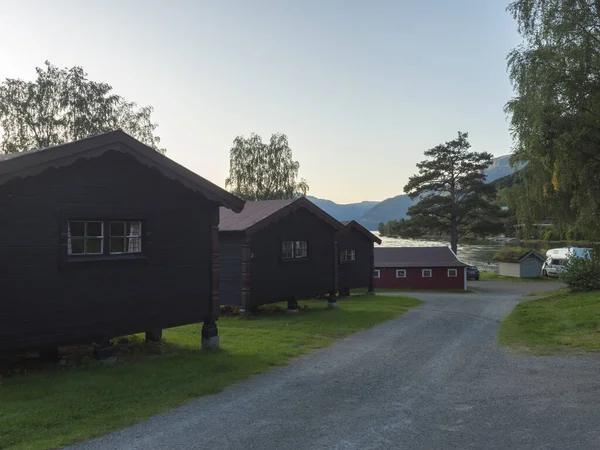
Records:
x=390, y=208
x=370, y=214
x=351, y=211
x=501, y=168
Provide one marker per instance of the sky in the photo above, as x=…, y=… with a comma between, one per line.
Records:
x=360, y=88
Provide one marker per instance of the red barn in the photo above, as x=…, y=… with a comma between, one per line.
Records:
x=418, y=268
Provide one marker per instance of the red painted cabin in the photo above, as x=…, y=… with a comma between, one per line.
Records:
x=435, y=268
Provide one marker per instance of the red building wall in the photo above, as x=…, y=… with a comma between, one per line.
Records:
x=414, y=279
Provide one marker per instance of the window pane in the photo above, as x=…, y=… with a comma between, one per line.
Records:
x=93, y=246
x=94, y=228
x=77, y=246
x=287, y=249
x=134, y=228
x=134, y=245
x=117, y=245
x=77, y=228
x=117, y=229
x=301, y=249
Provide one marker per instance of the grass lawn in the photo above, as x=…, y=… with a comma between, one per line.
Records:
x=562, y=321
x=495, y=276
x=61, y=404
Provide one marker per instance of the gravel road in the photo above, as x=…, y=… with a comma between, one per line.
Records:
x=431, y=379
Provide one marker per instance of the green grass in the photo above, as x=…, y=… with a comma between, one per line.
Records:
x=56, y=406
x=562, y=321
x=439, y=291
x=496, y=276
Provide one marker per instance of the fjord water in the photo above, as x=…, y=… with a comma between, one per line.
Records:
x=477, y=254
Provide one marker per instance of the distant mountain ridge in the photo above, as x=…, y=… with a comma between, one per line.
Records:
x=369, y=214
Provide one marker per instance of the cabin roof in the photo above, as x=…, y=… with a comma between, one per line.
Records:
x=34, y=161
x=259, y=214
x=353, y=224
x=416, y=257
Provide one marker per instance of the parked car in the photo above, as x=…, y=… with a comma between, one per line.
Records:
x=472, y=273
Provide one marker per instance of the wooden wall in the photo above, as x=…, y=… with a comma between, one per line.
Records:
x=273, y=279
x=355, y=274
x=231, y=268
x=46, y=298
x=415, y=280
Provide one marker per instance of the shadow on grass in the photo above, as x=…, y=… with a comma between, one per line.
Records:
x=84, y=398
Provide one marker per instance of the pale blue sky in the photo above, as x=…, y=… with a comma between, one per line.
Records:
x=361, y=88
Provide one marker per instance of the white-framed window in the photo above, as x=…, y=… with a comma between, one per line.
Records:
x=376, y=273
x=426, y=273
x=348, y=255
x=125, y=237
x=452, y=273
x=400, y=273
x=86, y=237
x=300, y=249
x=294, y=249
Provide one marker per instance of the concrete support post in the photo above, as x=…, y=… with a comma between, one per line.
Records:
x=332, y=301
x=154, y=335
x=210, y=335
x=292, y=305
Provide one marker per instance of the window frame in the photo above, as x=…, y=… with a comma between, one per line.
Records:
x=423, y=273
x=377, y=273
x=455, y=273
x=400, y=270
x=125, y=237
x=106, y=255
x=86, y=237
x=296, y=255
x=351, y=255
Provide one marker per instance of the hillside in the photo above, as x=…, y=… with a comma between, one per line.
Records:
x=370, y=214
x=391, y=208
x=351, y=211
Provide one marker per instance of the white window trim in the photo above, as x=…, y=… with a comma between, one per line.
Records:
x=423, y=273
x=455, y=273
x=398, y=273
x=377, y=273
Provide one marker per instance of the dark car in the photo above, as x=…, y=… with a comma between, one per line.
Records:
x=472, y=273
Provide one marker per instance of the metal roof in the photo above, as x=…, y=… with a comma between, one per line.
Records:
x=401, y=257
x=257, y=214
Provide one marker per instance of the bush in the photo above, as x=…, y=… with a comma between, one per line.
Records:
x=512, y=254
x=582, y=274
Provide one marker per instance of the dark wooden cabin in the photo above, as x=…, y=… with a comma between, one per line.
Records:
x=105, y=237
x=277, y=250
x=355, y=257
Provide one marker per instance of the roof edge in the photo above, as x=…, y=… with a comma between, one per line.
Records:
x=300, y=202
x=357, y=226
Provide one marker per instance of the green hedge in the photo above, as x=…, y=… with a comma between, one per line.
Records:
x=512, y=254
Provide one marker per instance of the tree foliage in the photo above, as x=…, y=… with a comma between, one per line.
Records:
x=259, y=171
x=555, y=112
x=63, y=105
x=453, y=197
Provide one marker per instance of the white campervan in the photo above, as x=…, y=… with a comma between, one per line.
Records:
x=557, y=259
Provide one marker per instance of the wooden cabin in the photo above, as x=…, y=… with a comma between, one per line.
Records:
x=436, y=268
x=355, y=257
x=277, y=250
x=105, y=237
